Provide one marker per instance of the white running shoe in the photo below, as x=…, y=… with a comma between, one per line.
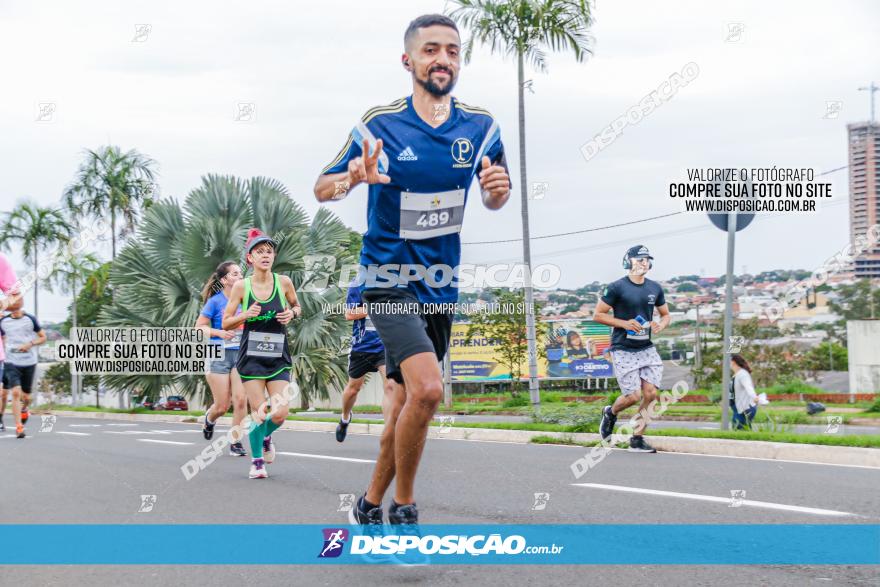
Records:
x=268, y=450
x=258, y=470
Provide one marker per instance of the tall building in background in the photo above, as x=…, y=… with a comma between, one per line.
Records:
x=864, y=192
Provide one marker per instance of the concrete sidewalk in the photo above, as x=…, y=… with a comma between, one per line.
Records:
x=782, y=451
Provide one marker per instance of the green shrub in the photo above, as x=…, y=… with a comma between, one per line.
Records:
x=517, y=401
x=875, y=407
x=792, y=386
x=583, y=418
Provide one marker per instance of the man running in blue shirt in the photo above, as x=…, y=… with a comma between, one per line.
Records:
x=367, y=355
x=419, y=156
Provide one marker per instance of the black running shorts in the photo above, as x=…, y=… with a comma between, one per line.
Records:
x=17, y=376
x=359, y=364
x=406, y=327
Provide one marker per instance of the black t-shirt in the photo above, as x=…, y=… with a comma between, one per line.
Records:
x=629, y=301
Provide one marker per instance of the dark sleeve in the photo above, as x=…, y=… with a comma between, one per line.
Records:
x=497, y=156
x=610, y=295
x=353, y=298
x=35, y=322
x=661, y=298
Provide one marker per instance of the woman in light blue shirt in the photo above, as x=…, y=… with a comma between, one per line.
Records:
x=223, y=378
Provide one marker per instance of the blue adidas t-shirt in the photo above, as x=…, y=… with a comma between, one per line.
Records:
x=213, y=311
x=364, y=338
x=413, y=223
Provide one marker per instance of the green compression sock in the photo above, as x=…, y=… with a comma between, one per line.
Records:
x=270, y=426
x=256, y=436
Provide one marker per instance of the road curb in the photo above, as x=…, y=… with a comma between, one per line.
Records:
x=784, y=451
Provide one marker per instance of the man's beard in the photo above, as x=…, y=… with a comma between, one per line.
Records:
x=433, y=88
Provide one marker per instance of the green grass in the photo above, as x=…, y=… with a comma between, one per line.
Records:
x=565, y=440
x=119, y=410
x=859, y=440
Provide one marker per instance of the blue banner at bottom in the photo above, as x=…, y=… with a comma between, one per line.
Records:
x=573, y=544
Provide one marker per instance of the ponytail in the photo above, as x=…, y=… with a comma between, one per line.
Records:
x=213, y=285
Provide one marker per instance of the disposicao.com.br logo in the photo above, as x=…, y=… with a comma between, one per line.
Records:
x=449, y=544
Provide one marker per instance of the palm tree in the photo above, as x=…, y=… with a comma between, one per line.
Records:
x=158, y=274
x=523, y=28
x=35, y=228
x=67, y=277
x=115, y=182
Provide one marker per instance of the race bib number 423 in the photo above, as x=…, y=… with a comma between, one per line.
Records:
x=428, y=215
x=265, y=344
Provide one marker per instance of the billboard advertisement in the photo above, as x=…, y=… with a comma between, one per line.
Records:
x=574, y=349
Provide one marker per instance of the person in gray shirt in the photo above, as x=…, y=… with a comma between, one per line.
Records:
x=21, y=334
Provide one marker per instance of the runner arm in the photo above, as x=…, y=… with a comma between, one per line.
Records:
x=334, y=186
x=665, y=318
x=357, y=313
x=602, y=316
x=236, y=297
x=203, y=323
x=290, y=295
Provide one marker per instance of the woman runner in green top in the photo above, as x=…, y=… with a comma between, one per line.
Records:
x=264, y=358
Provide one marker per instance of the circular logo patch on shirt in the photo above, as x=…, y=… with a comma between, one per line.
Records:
x=462, y=151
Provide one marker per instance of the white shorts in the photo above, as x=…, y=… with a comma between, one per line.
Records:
x=631, y=367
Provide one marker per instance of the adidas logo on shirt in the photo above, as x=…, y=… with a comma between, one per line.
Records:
x=407, y=155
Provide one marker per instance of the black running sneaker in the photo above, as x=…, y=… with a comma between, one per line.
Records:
x=606, y=426
x=638, y=444
x=341, y=431
x=237, y=450
x=403, y=514
x=208, y=429
x=405, y=518
x=2, y=426
x=359, y=514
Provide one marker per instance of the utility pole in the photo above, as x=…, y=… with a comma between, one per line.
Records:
x=728, y=321
x=447, y=380
x=871, y=89
x=698, y=351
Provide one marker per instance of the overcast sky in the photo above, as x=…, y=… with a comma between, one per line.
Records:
x=312, y=69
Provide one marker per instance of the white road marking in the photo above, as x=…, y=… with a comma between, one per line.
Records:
x=73, y=433
x=328, y=457
x=85, y=425
x=135, y=432
x=161, y=441
x=715, y=499
x=696, y=454
x=121, y=424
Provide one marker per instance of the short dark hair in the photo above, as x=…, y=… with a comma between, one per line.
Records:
x=425, y=21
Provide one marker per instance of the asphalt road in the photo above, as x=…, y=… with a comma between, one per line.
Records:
x=95, y=471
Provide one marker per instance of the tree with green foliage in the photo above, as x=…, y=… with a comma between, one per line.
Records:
x=157, y=277
x=110, y=181
x=36, y=229
x=859, y=301
x=770, y=364
x=67, y=277
x=827, y=356
x=525, y=29
x=506, y=326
